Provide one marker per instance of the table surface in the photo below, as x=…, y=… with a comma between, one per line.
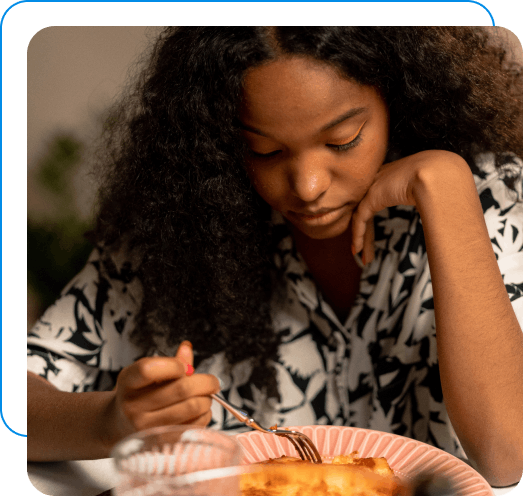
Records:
x=92, y=477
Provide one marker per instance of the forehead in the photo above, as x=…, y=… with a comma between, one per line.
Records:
x=299, y=91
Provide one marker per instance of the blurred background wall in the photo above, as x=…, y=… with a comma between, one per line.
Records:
x=74, y=74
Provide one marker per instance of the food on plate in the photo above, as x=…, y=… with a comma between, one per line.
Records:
x=346, y=475
x=378, y=465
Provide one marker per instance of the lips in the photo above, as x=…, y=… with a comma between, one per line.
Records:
x=317, y=213
x=323, y=216
x=320, y=211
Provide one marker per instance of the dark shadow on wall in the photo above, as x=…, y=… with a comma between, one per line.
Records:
x=56, y=246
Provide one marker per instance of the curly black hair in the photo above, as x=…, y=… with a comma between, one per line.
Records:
x=175, y=189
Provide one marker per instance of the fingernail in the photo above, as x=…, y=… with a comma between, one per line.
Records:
x=186, y=343
x=363, y=259
x=353, y=250
x=189, y=369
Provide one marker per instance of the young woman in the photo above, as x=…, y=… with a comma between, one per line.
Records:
x=330, y=216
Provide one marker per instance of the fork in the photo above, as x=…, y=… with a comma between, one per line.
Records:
x=303, y=445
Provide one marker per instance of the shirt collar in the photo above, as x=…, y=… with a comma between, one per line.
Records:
x=296, y=274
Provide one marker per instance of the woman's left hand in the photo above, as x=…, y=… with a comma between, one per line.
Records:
x=395, y=184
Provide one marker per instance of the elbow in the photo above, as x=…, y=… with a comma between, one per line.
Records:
x=503, y=478
x=501, y=467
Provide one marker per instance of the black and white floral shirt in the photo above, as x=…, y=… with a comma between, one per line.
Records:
x=377, y=370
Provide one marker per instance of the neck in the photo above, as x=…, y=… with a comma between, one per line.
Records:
x=333, y=246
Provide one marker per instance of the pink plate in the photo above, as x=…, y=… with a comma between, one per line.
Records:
x=406, y=457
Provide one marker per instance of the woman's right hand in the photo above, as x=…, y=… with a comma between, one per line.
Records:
x=156, y=391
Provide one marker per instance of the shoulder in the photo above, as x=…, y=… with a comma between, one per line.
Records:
x=94, y=316
x=502, y=205
x=107, y=279
x=499, y=177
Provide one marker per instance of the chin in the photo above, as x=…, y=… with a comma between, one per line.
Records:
x=324, y=232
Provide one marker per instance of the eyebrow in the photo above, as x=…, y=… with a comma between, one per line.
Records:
x=338, y=120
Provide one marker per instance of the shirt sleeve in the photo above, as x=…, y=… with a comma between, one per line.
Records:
x=503, y=210
x=82, y=341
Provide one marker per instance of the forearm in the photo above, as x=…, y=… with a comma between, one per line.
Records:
x=480, y=343
x=66, y=426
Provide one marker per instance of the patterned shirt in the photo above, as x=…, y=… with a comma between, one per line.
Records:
x=377, y=370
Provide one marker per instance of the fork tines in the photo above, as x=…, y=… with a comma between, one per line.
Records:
x=303, y=445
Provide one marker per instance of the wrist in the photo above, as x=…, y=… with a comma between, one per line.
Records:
x=441, y=178
x=109, y=428
x=66, y=426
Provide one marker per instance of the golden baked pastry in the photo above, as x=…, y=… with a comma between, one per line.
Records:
x=377, y=465
x=347, y=475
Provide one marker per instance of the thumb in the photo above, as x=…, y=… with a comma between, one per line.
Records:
x=185, y=355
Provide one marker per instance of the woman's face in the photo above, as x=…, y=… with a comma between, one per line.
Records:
x=316, y=141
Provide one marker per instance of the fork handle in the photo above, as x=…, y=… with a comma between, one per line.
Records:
x=241, y=415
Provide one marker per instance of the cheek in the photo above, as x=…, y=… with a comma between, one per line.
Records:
x=369, y=161
x=360, y=172
x=267, y=184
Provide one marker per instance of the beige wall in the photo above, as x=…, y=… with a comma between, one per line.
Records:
x=512, y=41
x=72, y=74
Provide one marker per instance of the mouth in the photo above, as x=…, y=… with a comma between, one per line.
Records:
x=321, y=216
x=315, y=215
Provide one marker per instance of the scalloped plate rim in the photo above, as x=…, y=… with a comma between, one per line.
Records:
x=465, y=476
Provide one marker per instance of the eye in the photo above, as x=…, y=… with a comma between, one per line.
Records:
x=338, y=148
x=263, y=155
x=346, y=146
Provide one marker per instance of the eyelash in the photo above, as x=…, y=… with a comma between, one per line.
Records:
x=346, y=146
x=338, y=148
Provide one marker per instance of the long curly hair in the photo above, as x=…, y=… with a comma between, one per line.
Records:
x=175, y=189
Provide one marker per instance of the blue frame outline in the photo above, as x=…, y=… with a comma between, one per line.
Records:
x=136, y=1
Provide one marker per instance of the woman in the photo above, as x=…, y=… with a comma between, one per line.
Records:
x=241, y=172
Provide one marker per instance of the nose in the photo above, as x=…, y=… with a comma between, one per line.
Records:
x=309, y=177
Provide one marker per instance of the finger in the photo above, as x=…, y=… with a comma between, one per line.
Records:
x=174, y=392
x=196, y=385
x=182, y=413
x=368, y=242
x=360, y=220
x=202, y=420
x=151, y=370
x=186, y=411
x=185, y=355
